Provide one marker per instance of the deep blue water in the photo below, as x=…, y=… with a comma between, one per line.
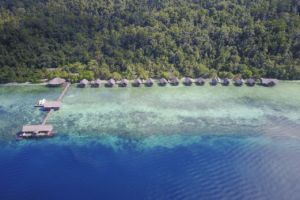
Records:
x=211, y=167
x=156, y=143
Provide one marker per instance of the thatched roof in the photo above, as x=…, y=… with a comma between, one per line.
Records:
x=215, y=80
x=111, y=81
x=150, y=81
x=96, y=82
x=37, y=128
x=187, y=80
x=174, y=80
x=163, y=81
x=200, y=80
x=268, y=81
x=238, y=81
x=84, y=82
x=138, y=81
x=250, y=81
x=226, y=81
x=124, y=81
x=57, y=81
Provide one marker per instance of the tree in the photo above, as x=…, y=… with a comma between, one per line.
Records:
x=201, y=70
x=116, y=76
x=75, y=67
x=147, y=39
x=89, y=75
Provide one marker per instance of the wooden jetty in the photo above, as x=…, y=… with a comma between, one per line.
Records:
x=61, y=96
x=49, y=105
x=47, y=116
x=35, y=131
x=43, y=130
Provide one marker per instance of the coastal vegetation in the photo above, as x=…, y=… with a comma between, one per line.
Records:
x=88, y=39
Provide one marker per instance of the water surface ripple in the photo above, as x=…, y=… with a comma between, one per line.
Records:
x=154, y=143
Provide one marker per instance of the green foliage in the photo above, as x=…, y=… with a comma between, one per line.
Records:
x=165, y=75
x=201, y=70
x=7, y=75
x=93, y=38
x=75, y=67
x=89, y=75
x=222, y=74
x=176, y=73
x=116, y=76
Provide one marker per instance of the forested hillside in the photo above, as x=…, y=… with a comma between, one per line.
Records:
x=142, y=38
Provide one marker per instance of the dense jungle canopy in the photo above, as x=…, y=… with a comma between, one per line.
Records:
x=148, y=38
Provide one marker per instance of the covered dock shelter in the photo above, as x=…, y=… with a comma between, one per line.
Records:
x=238, y=81
x=56, y=82
x=149, y=82
x=174, y=81
x=225, y=81
x=123, y=83
x=48, y=105
x=250, y=82
x=162, y=82
x=137, y=83
x=188, y=81
x=110, y=83
x=96, y=83
x=200, y=81
x=214, y=81
x=83, y=83
x=268, y=82
x=36, y=131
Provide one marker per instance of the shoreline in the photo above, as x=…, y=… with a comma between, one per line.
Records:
x=105, y=81
x=21, y=84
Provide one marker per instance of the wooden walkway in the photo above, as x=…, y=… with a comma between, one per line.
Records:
x=47, y=117
x=43, y=126
x=60, y=98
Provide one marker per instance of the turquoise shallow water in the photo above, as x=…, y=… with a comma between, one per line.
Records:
x=154, y=143
x=145, y=112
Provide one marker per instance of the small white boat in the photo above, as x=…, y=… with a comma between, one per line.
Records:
x=41, y=103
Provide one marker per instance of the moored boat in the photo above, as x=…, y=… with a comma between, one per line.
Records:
x=40, y=103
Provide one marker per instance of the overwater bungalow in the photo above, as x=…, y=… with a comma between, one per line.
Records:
x=110, y=83
x=200, y=81
x=83, y=83
x=187, y=81
x=225, y=81
x=35, y=131
x=123, y=83
x=238, y=81
x=268, y=82
x=56, y=82
x=250, y=82
x=137, y=83
x=174, y=81
x=162, y=82
x=149, y=82
x=96, y=83
x=214, y=81
x=48, y=105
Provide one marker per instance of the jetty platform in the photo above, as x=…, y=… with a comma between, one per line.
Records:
x=44, y=129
